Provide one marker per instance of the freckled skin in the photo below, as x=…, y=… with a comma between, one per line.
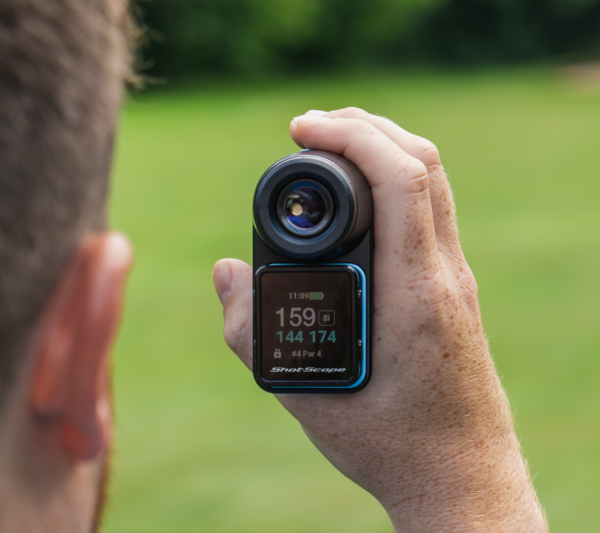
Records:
x=432, y=436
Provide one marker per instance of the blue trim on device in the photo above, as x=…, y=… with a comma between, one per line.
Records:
x=363, y=285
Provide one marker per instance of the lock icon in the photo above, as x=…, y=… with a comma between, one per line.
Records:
x=277, y=353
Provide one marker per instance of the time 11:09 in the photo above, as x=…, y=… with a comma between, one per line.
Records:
x=299, y=295
x=316, y=336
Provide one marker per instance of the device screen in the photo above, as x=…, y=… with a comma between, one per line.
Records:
x=307, y=325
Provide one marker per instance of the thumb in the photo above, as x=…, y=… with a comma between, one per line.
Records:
x=233, y=283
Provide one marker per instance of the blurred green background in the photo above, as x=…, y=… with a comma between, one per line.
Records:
x=254, y=38
x=198, y=446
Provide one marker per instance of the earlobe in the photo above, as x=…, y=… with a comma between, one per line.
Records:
x=70, y=387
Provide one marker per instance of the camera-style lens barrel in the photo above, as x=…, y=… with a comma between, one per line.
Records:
x=312, y=204
x=305, y=208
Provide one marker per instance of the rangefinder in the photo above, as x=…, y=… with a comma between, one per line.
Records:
x=313, y=276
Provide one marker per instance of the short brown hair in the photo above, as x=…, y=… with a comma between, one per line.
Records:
x=62, y=69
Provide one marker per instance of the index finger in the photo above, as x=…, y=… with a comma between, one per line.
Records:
x=442, y=202
x=399, y=182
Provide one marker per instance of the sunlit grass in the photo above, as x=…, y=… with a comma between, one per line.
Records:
x=199, y=447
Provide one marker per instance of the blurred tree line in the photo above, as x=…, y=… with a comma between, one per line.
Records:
x=254, y=37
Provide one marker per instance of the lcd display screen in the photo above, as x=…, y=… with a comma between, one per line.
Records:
x=307, y=324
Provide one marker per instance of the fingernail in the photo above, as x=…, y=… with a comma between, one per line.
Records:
x=222, y=279
x=312, y=113
x=309, y=118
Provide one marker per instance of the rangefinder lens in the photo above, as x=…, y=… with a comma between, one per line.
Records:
x=305, y=208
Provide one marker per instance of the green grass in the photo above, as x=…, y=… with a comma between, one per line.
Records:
x=198, y=446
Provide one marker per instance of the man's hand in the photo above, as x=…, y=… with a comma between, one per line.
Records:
x=431, y=437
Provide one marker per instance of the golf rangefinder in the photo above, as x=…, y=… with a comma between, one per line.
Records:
x=313, y=276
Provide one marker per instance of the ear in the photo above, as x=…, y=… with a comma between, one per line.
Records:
x=70, y=387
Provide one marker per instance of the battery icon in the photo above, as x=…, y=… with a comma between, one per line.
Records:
x=316, y=295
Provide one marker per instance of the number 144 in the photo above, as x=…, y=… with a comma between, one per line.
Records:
x=299, y=337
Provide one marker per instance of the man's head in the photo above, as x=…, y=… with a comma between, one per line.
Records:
x=62, y=70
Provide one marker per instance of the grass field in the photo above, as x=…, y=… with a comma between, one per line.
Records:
x=199, y=448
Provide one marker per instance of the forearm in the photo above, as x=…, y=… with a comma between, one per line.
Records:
x=471, y=490
x=466, y=472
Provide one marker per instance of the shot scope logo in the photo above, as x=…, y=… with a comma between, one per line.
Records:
x=307, y=369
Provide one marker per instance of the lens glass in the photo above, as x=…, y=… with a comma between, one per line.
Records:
x=305, y=208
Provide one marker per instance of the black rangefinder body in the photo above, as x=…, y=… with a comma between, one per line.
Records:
x=313, y=276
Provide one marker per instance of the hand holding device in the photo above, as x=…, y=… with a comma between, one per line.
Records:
x=431, y=437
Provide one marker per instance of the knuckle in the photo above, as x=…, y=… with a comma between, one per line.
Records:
x=418, y=184
x=427, y=153
x=363, y=126
x=354, y=112
x=415, y=174
x=410, y=171
x=470, y=285
x=414, y=167
x=466, y=284
x=359, y=129
x=443, y=296
x=231, y=335
x=235, y=332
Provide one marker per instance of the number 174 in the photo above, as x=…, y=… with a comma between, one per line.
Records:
x=331, y=336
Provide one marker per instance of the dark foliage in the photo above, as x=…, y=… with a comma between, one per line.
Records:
x=475, y=31
x=254, y=37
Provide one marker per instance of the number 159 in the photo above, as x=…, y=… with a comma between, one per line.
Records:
x=308, y=314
